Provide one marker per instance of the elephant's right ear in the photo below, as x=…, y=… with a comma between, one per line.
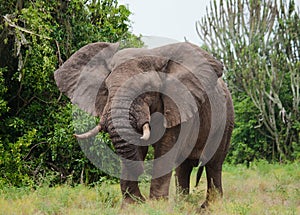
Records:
x=82, y=76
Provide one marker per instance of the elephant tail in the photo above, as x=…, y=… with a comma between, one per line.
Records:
x=199, y=173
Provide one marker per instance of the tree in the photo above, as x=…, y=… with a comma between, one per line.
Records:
x=258, y=42
x=36, y=142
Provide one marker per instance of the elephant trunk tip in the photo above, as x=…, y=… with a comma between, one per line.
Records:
x=146, y=132
x=91, y=133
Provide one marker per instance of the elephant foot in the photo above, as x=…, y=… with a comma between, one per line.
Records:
x=131, y=193
x=159, y=197
x=213, y=196
x=132, y=200
x=204, y=205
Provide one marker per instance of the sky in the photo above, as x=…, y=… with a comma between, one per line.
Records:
x=174, y=19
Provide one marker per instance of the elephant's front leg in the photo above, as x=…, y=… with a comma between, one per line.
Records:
x=131, y=192
x=163, y=164
x=129, y=179
x=160, y=187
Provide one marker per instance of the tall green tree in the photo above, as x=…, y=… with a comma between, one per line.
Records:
x=259, y=44
x=36, y=37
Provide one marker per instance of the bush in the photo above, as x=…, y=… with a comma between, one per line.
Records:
x=36, y=142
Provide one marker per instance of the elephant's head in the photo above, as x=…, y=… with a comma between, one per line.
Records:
x=124, y=87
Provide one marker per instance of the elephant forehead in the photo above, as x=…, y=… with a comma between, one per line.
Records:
x=133, y=79
x=136, y=67
x=127, y=54
x=122, y=73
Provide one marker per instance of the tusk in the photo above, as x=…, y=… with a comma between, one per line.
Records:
x=146, y=132
x=88, y=134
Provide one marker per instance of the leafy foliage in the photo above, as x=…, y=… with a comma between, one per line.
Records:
x=259, y=43
x=36, y=37
x=246, y=141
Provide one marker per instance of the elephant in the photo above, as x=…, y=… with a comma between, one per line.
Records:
x=171, y=97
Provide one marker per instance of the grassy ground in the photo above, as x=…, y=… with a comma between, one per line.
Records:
x=261, y=189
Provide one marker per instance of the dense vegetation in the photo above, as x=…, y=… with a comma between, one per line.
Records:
x=258, y=41
x=36, y=37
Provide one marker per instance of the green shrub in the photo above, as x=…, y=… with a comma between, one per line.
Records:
x=36, y=121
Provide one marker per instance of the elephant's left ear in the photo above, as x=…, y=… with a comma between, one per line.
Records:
x=82, y=76
x=191, y=75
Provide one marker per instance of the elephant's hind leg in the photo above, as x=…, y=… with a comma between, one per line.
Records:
x=214, y=183
x=183, y=173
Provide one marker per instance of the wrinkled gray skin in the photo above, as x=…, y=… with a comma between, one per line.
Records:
x=92, y=77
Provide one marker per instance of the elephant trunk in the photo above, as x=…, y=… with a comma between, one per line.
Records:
x=122, y=136
x=127, y=149
x=125, y=127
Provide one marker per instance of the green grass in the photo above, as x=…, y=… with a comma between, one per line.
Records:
x=261, y=189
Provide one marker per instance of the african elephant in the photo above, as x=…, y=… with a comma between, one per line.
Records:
x=172, y=97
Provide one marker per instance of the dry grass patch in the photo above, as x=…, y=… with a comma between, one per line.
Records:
x=261, y=189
